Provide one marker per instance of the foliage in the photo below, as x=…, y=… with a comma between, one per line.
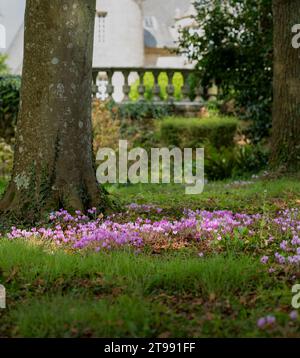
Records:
x=235, y=162
x=106, y=129
x=233, y=45
x=137, y=121
x=140, y=110
x=9, y=105
x=250, y=159
x=194, y=132
x=219, y=164
x=6, y=159
x=3, y=66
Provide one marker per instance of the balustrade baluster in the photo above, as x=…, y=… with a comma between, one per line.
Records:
x=199, y=94
x=170, y=87
x=103, y=81
x=110, y=87
x=212, y=92
x=94, y=85
x=126, y=87
x=185, y=89
x=142, y=88
x=156, y=88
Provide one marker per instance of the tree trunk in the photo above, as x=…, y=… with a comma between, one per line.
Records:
x=286, y=108
x=54, y=163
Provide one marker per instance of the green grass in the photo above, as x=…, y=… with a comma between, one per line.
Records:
x=172, y=294
x=273, y=194
x=175, y=272
x=123, y=295
x=66, y=316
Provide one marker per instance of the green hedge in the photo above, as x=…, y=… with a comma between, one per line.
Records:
x=195, y=132
x=9, y=105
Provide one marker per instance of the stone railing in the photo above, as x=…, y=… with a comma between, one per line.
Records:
x=115, y=83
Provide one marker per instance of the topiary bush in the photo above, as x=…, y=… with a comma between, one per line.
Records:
x=194, y=132
x=9, y=105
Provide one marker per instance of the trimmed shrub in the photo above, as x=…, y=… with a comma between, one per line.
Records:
x=194, y=132
x=9, y=105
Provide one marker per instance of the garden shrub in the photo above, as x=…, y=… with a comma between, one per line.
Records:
x=237, y=52
x=250, y=159
x=194, y=132
x=6, y=159
x=106, y=128
x=139, y=110
x=235, y=162
x=132, y=122
x=9, y=105
x=138, y=122
x=219, y=163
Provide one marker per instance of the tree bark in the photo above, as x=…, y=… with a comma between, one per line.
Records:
x=286, y=108
x=54, y=163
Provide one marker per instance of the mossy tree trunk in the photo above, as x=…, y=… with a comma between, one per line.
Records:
x=286, y=108
x=54, y=163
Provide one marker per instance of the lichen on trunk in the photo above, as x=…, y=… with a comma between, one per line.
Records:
x=54, y=163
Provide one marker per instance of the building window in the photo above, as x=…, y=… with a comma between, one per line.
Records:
x=150, y=23
x=101, y=15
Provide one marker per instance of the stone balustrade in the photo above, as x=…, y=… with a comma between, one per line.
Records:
x=116, y=84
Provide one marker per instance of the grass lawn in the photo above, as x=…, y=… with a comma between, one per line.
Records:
x=170, y=293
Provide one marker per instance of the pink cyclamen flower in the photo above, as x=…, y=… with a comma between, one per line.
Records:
x=294, y=315
x=266, y=321
x=271, y=320
x=261, y=322
x=264, y=259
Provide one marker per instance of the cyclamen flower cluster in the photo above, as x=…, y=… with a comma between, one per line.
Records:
x=286, y=251
x=80, y=232
x=270, y=320
x=143, y=208
x=267, y=321
x=210, y=227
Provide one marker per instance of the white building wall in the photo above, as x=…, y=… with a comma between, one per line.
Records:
x=11, y=17
x=119, y=37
